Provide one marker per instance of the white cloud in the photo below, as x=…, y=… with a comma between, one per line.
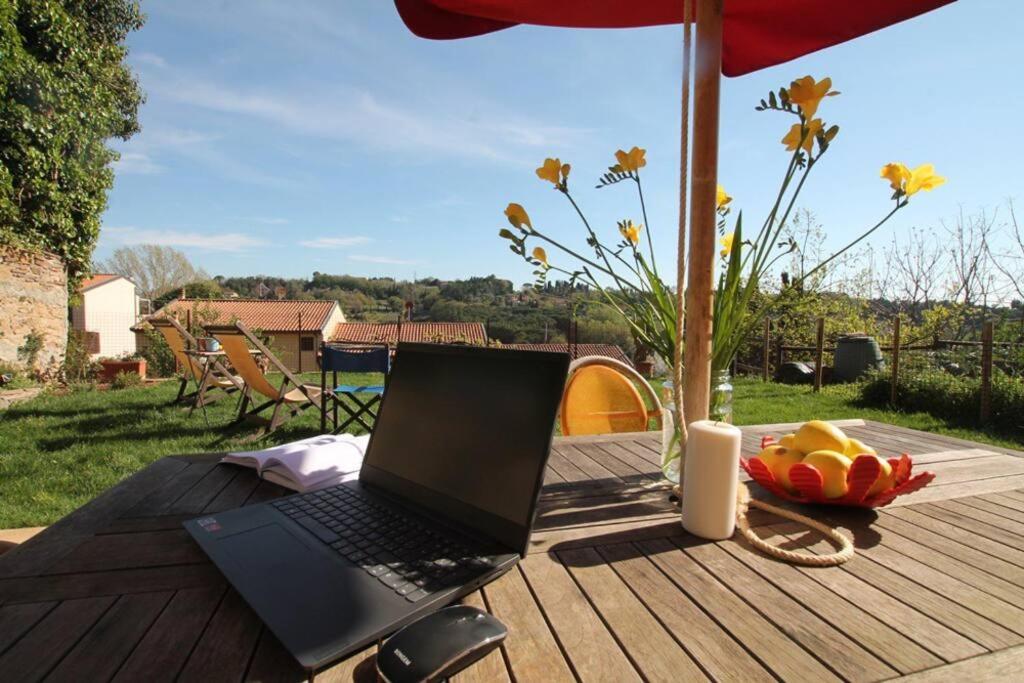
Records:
x=137, y=163
x=383, y=259
x=150, y=59
x=334, y=242
x=212, y=241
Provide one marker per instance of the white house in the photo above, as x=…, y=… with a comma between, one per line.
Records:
x=108, y=307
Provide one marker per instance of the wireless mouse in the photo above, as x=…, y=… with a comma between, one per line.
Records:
x=439, y=645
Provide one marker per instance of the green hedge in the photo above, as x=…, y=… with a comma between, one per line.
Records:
x=952, y=398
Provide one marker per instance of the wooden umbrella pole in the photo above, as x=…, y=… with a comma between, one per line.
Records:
x=704, y=184
x=684, y=162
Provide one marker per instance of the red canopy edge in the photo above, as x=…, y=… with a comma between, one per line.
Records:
x=756, y=33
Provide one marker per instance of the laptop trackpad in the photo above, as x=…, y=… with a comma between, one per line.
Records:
x=311, y=599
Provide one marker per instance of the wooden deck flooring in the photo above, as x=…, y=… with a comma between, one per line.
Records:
x=612, y=590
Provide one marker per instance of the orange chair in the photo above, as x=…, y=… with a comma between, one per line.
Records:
x=601, y=397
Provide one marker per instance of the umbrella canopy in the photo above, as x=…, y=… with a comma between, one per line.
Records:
x=755, y=33
x=732, y=37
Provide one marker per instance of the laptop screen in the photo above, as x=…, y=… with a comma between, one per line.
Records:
x=465, y=432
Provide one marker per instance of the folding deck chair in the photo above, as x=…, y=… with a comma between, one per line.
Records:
x=343, y=358
x=286, y=402
x=207, y=378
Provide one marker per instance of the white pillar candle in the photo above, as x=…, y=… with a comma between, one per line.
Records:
x=710, y=474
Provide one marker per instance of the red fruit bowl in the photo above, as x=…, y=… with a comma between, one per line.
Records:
x=862, y=476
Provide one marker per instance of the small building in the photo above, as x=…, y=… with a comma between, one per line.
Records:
x=391, y=333
x=296, y=327
x=577, y=350
x=107, y=308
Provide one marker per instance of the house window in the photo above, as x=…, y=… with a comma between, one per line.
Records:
x=305, y=343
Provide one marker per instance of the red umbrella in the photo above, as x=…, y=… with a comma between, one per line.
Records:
x=734, y=37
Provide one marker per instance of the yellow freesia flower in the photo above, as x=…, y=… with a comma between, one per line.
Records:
x=516, y=215
x=808, y=94
x=923, y=178
x=549, y=171
x=794, y=138
x=540, y=255
x=726, y=243
x=630, y=161
x=721, y=198
x=897, y=174
x=631, y=231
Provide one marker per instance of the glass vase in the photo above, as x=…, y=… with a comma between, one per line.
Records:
x=671, y=448
x=720, y=408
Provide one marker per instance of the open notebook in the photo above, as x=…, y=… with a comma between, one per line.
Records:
x=309, y=464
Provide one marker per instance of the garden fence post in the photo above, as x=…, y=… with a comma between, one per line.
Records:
x=819, y=354
x=779, y=343
x=986, y=371
x=767, y=343
x=894, y=382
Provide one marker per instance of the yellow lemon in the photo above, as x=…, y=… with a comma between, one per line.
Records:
x=820, y=436
x=779, y=459
x=833, y=468
x=788, y=441
x=885, y=479
x=857, y=447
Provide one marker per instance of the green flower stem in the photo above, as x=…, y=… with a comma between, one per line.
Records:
x=647, y=225
x=599, y=249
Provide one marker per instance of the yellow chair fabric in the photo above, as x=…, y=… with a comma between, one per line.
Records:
x=237, y=351
x=177, y=345
x=600, y=400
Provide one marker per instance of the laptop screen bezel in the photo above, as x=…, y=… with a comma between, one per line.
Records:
x=507, y=532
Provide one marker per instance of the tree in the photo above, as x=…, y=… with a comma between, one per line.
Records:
x=64, y=91
x=155, y=269
x=200, y=289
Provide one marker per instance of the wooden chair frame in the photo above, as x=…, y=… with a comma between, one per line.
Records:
x=278, y=417
x=201, y=396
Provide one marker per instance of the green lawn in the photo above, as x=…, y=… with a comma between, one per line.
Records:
x=59, y=451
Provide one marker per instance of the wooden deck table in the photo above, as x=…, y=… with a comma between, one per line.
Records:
x=613, y=589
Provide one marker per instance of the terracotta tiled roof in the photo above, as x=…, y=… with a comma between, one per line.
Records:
x=577, y=350
x=96, y=280
x=387, y=333
x=268, y=315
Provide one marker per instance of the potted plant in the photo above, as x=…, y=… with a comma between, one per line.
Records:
x=110, y=367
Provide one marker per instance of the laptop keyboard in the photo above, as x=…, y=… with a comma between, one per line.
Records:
x=412, y=559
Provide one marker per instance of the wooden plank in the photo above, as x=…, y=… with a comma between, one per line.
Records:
x=937, y=491
x=63, y=536
x=205, y=490
x=957, y=533
x=32, y=657
x=600, y=534
x=968, y=623
x=16, y=620
x=847, y=617
x=1004, y=500
x=131, y=525
x=982, y=503
x=118, y=582
x=1004, y=665
x=592, y=469
x=645, y=452
x=998, y=521
x=938, y=543
x=654, y=652
x=360, y=667
x=955, y=567
x=533, y=652
x=711, y=646
x=592, y=651
x=172, y=488
x=766, y=642
x=951, y=441
x=130, y=551
x=226, y=645
x=587, y=511
x=833, y=647
x=235, y=494
x=604, y=459
x=102, y=650
x=915, y=625
x=567, y=470
x=267, y=491
x=490, y=668
x=273, y=663
x=162, y=652
x=641, y=465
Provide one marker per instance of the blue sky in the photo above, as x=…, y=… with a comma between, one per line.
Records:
x=286, y=138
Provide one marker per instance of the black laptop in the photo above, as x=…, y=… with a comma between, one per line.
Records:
x=444, y=503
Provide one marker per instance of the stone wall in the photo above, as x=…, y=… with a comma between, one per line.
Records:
x=33, y=298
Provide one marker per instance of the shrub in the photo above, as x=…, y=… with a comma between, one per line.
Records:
x=158, y=355
x=956, y=399
x=126, y=380
x=78, y=363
